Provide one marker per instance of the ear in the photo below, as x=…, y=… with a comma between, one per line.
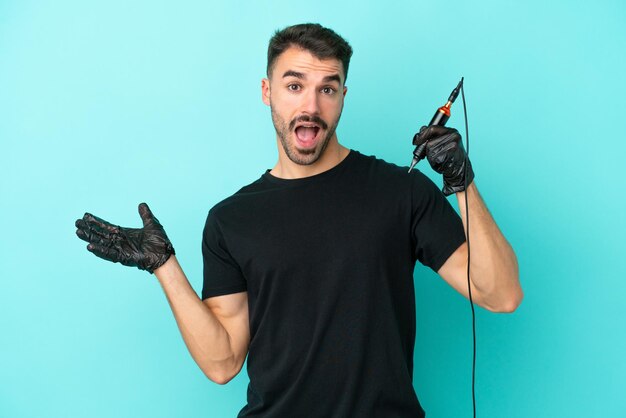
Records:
x=265, y=91
x=345, y=90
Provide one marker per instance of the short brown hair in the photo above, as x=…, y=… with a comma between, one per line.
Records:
x=322, y=42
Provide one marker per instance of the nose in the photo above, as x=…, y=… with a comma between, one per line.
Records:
x=310, y=102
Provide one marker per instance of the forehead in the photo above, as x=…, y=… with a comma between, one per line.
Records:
x=302, y=61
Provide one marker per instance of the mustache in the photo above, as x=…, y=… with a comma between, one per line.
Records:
x=305, y=118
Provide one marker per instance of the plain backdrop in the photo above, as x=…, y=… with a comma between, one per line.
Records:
x=105, y=104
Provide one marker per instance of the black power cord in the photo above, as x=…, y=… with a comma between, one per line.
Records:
x=469, y=287
x=441, y=117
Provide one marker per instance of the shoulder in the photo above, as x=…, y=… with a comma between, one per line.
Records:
x=392, y=179
x=240, y=200
x=384, y=170
x=376, y=165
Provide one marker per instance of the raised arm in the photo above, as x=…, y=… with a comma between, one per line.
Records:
x=216, y=332
x=494, y=276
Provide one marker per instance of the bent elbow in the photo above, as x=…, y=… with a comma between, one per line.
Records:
x=223, y=376
x=222, y=380
x=510, y=305
x=509, y=308
x=219, y=378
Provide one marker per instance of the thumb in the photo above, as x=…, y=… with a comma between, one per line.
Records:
x=146, y=214
x=418, y=138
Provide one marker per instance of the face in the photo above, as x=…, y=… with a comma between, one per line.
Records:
x=306, y=98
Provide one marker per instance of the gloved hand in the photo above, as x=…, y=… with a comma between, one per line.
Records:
x=446, y=156
x=146, y=248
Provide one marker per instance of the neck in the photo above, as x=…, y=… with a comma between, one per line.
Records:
x=287, y=169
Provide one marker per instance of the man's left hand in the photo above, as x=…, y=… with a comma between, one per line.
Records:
x=446, y=156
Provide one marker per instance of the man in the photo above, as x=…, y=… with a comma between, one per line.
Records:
x=308, y=270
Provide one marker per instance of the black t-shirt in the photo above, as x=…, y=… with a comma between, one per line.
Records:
x=327, y=262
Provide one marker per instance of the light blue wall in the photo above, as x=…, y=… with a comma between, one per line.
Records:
x=107, y=104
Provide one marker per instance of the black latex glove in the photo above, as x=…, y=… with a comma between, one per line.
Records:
x=446, y=156
x=146, y=248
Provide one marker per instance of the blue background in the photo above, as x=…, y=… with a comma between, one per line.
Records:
x=107, y=104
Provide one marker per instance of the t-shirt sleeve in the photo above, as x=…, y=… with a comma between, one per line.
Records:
x=437, y=228
x=222, y=275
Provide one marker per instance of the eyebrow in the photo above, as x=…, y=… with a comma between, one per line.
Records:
x=334, y=77
x=301, y=76
x=291, y=73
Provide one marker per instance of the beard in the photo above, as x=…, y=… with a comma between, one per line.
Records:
x=286, y=133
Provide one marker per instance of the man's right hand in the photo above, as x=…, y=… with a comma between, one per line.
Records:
x=446, y=156
x=146, y=248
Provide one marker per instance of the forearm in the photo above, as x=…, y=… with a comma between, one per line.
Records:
x=205, y=337
x=493, y=265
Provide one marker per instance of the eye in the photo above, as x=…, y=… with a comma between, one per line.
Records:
x=293, y=87
x=328, y=90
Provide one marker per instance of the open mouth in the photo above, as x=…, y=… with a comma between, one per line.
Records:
x=307, y=135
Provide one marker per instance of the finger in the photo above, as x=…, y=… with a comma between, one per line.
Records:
x=85, y=236
x=146, y=214
x=450, y=138
x=110, y=254
x=417, y=138
x=435, y=131
x=100, y=223
x=424, y=135
x=92, y=230
x=94, y=238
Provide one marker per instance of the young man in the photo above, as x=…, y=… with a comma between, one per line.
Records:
x=308, y=271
